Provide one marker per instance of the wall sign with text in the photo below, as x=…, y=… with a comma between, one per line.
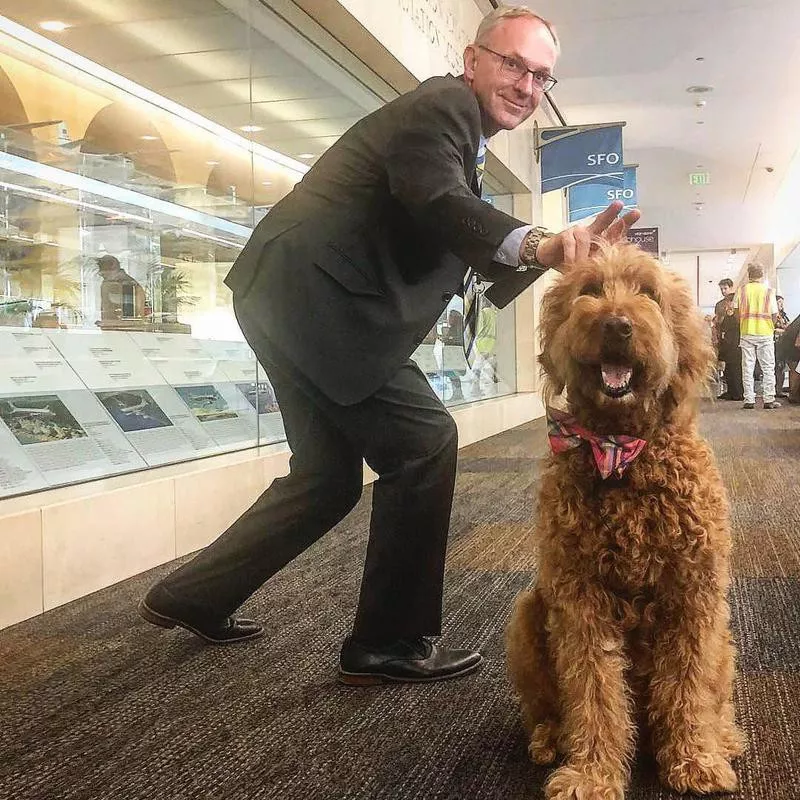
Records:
x=590, y=198
x=646, y=238
x=570, y=156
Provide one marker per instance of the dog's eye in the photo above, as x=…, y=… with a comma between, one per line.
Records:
x=592, y=289
x=649, y=291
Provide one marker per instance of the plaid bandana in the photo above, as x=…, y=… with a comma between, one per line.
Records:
x=612, y=454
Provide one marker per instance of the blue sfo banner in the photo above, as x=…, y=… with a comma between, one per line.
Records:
x=590, y=198
x=571, y=156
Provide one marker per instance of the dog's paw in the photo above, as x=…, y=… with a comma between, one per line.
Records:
x=543, y=744
x=732, y=741
x=569, y=783
x=701, y=773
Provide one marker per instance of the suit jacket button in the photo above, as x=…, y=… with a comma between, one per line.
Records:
x=447, y=296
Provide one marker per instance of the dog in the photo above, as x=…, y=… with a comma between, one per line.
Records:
x=626, y=630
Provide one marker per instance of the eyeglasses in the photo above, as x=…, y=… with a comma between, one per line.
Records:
x=517, y=70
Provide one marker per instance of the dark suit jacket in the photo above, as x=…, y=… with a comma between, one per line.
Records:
x=786, y=350
x=729, y=337
x=351, y=269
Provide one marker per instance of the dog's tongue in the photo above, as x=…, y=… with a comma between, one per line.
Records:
x=615, y=376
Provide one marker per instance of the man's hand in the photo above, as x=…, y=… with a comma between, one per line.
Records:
x=574, y=244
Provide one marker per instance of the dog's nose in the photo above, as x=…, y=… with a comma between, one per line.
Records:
x=619, y=327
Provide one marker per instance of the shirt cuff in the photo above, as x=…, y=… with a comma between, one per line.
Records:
x=508, y=252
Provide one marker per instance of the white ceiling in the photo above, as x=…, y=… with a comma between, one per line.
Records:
x=633, y=62
x=203, y=55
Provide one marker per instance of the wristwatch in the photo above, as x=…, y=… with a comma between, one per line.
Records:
x=530, y=244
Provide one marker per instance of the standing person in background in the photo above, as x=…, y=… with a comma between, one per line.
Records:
x=788, y=351
x=121, y=296
x=485, y=365
x=758, y=311
x=372, y=245
x=781, y=323
x=729, y=352
x=454, y=337
x=726, y=288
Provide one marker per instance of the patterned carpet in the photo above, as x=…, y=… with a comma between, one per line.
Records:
x=97, y=704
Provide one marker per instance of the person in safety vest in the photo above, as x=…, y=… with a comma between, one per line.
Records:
x=758, y=311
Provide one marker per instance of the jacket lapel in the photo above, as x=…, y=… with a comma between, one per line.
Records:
x=473, y=180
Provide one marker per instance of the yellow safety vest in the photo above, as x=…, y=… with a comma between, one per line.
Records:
x=487, y=331
x=753, y=301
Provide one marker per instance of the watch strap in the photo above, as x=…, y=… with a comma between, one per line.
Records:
x=530, y=245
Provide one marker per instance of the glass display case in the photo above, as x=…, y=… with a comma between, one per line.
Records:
x=132, y=173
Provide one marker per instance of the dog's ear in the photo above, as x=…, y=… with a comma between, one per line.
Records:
x=695, y=353
x=554, y=311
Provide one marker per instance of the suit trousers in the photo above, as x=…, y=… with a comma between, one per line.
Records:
x=733, y=373
x=780, y=372
x=406, y=436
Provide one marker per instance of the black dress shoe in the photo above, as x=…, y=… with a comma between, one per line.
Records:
x=405, y=661
x=226, y=631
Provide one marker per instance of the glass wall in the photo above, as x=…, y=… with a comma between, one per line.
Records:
x=140, y=143
x=491, y=371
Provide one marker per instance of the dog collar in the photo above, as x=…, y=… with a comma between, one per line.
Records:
x=613, y=454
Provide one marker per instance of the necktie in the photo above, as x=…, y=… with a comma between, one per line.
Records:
x=612, y=454
x=472, y=283
x=480, y=161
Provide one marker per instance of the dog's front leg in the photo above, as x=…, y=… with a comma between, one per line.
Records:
x=597, y=733
x=684, y=703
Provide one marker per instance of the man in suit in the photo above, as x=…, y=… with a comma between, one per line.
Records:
x=371, y=245
x=726, y=334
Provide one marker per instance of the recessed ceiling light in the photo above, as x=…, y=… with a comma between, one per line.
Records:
x=212, y=163
x=700, y=122
x=54, y=25
x=266, y=183
x=148, y=137
x=306, y=155
x=251, y=128
x=699, y=89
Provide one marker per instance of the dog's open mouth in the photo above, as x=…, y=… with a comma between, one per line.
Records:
x=616, y=379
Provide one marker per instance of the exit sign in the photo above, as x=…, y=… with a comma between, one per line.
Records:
x=699, y=178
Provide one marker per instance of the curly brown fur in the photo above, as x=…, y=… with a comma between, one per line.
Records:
x=626, y=629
